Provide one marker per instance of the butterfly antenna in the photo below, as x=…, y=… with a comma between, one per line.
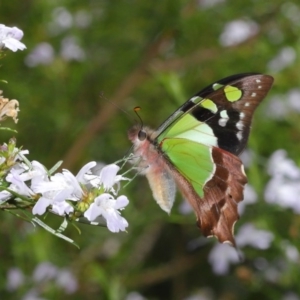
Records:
x=101, y=95
x=136, y=110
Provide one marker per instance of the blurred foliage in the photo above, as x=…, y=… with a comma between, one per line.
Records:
x=153, y=55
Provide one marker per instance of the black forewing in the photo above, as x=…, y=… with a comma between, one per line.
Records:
x=234, y=135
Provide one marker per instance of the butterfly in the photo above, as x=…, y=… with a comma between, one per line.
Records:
x=197, y=148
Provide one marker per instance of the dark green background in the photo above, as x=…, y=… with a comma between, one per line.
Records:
x=152, y=54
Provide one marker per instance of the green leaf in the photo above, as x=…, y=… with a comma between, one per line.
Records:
x=8, y=129
x=54, y=232
x=55, y=167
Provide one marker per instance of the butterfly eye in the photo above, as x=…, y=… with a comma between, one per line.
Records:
x=142, y=135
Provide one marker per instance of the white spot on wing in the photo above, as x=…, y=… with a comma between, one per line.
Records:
x=253, y=94
x=247, y=104
x=239, y=125
x=239, y=135
x=222, y=122
x=242, y=115
x=258, y=80
x=224, y=118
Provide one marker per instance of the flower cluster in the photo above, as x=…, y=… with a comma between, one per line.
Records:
x=85, y=195
x=45, y=274
x=90, y=197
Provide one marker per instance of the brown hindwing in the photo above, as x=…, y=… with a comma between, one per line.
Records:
x=222, y=193
x=217, y=211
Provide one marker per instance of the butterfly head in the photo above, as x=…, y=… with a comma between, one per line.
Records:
x=143, y=148
x=139, y=135
x=142, y=135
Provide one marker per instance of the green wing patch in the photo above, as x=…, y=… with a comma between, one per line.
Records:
x=191, y=129
x=193, y=160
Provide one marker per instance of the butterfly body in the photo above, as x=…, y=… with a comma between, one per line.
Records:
x=197, y=148
x=153, y=164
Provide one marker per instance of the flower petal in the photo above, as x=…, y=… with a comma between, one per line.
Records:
x=86, y=168
x=121, y=202
x=92, y=212
x=108, y=175
x=13, y=44
x=40, y=206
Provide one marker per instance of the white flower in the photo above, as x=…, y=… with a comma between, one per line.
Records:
x=134, y=296
x=36, y=171
x=42, y=54
x=17, y=183
x=282, y=105
x=291, y=252
x=44, y=271
x=32, y=294
x=55, y=191
x=81, y=176
x=10, y=38
x=62, y=207
x=107, y=178
x=286, y=57
x=285, y=193
x=66, y=280
x=250, y=197
x=59, y=188
x=20, y=153
x=16, y=153
x=209, y=3
x=290, y=295
x=238, y=31
x=279, y=165
x=283, y=188
x=106, y=206
x=70, y=49
x=256, y=238
x=185, y=208
x=221, y=256
x=15, y=279
x=4, y=196
x=17, y=177
x=62, y=19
